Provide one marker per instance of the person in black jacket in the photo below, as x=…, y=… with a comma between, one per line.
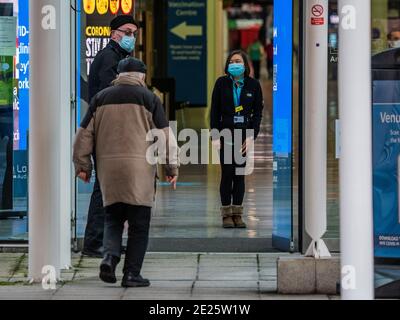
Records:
x=103, y=72
x=237, y=104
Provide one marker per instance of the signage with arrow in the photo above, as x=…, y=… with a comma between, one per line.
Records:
x=183, y=30
x=187, y=49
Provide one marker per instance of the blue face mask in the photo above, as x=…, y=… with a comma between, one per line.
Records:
x=236, y=69
x=128, y=43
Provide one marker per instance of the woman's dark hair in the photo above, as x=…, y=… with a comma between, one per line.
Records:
x=245, y=59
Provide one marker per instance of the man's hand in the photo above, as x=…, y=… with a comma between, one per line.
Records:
x=84, y=177
x=172, y=181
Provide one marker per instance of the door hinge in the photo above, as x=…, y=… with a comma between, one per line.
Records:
x=73, y=102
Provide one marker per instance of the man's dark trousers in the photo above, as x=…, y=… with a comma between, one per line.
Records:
x=138, y=218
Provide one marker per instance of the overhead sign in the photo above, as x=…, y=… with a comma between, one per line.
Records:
x=187, y=49
x=184, y=31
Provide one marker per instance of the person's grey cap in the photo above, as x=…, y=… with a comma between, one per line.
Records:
x=131, y=65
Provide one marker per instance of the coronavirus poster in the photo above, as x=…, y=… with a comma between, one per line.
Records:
x=93, y=34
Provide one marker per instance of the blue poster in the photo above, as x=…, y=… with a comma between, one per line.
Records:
x=23, y=74
x=282, y=125
x=386, y=168
x=20, y=174
x=187, y=49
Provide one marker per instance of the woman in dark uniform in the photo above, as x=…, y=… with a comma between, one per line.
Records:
x=237, y=105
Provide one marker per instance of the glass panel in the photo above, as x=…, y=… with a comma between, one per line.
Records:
x=14, y=119
x=93, y=34
x=386, y=143
x=174, y=216
x=385, y=36
x=385, y=25
x=296, y=121
x=386, y=128
x=333, y=117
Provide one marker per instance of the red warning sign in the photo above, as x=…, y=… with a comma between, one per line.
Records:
x=317, y=18
x=317, y=21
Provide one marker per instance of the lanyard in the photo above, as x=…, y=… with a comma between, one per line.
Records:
x=236, y=94
x=236, y=98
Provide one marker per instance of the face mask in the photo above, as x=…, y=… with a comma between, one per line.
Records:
x=394, y=44
x=236, y=69
x=128, y=43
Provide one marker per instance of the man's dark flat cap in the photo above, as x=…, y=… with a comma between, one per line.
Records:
x=121, y=20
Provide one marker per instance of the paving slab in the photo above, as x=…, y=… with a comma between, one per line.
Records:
x=171, y=274
x=268, y=286
x=226, y=284
x=225, y=297
x=228, y=273
x=179, y=276
x=293, y=297
x=85, y=298
x=226, y=293
x=169, y=284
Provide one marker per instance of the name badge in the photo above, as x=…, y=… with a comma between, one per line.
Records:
x=237, y=120
x=239, y=109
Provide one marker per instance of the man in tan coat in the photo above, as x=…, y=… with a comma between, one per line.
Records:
x=117, y=127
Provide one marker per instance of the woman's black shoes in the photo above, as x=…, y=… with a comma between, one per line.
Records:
x=131, y=281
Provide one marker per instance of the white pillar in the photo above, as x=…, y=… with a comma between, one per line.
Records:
x=49, y=137
x=316, y=100
x=356, y=220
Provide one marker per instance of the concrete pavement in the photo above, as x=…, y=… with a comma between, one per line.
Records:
x=174, y=276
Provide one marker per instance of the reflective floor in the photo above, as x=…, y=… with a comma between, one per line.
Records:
x=14, y=224
x=193, y=211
